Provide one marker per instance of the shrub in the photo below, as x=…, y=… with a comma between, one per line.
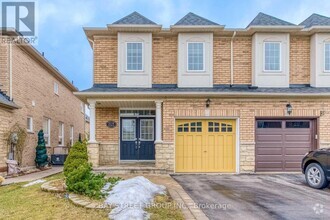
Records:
x=78, y=172
x=77, y=156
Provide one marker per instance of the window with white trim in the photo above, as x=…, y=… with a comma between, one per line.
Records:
x=71, y=135
x=195, y=56
x=134, y=56
x=29, y=124
x=272, y=56
x=56, y=88
x=46, y=128
x=327, y=57
x=61, y=134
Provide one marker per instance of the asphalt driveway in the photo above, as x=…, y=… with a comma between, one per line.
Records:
x=282, y=196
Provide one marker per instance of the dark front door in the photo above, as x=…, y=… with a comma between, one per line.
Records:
x=137, y=139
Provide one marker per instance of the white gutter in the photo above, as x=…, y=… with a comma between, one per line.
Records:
x=10, y=71
x=232, y=59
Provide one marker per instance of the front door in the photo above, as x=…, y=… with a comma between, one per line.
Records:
x=137, y=139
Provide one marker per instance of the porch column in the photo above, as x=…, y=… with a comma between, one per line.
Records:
x=158, y=122
x=92, y=122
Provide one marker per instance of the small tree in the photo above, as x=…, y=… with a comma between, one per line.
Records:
x=41, y=151
x=16, y=138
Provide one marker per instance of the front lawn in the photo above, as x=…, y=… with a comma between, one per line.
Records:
x=31, y=202
x=17, y=202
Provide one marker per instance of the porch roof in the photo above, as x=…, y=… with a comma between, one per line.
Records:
x=168, y=91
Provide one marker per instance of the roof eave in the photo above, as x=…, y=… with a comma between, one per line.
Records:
x=274, y=28
x=318, y=28
x=195, y=28
x=134, y=27
x=83, y=96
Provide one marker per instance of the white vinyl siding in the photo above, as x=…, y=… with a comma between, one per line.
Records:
x=272, y=56
x=195, y=56
x=134, y=56
x=61, y=134
x=327, y=57
x=46, y=128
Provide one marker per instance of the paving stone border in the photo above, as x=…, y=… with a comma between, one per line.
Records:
x=47, y=187
x=75, y=199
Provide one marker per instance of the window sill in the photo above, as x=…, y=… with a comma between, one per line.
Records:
x=30, y=132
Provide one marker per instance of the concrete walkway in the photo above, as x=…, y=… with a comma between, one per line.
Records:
x=183, y=200
x=34, y=176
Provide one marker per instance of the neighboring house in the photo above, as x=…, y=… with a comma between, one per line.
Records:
x=198, y=97
x=37, y=97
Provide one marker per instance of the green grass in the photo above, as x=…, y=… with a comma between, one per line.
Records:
x=164, y=208
x=17, y=202
x=32, y=203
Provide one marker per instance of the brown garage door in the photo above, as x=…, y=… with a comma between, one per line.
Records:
x=281, y=144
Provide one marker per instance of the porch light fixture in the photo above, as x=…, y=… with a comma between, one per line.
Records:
x=207, y=103
x=289, y=108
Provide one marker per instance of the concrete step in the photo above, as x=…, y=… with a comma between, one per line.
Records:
x=129, y=170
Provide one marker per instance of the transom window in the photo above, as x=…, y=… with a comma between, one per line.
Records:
x=327, y=57
x=190, y=127
x=128, y=130
x=272, y=56
x=195, y=56
x=147, y=129
x=217, y=127
x=134, y=57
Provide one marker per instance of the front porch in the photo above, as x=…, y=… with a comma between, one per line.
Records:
x=126, y=136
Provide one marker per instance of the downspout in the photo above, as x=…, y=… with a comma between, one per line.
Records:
x=232, y=59
x=10, y=71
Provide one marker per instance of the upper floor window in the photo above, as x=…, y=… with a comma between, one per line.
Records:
x=56, y=88
x=327, y=57
x=272, y=56
x=195, y=56
x=134, y=59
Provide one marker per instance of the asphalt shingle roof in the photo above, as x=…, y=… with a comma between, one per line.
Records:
x=193, y=19
x=266, y=20
x=134, y=18
x=222, y=89
x=4, y=100
x=316, y=20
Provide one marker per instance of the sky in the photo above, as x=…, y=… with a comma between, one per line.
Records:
x=64, y=43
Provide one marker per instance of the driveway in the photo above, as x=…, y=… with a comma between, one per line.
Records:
x=282, y=196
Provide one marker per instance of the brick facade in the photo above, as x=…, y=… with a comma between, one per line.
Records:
x=33, y=92
x=299, y=60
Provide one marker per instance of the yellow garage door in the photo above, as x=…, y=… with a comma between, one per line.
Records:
x=205, y=146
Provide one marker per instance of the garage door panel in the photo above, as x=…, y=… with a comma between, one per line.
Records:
x=210, y=150
x=285, y=154
x=298, y=138
x=265, y=138
x=269, y=151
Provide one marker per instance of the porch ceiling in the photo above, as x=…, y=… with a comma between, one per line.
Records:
x=126, y=104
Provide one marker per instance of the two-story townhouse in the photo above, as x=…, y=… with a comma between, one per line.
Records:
x=35, y=95
x=199, y=97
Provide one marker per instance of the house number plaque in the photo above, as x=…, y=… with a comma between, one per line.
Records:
x=111, y=124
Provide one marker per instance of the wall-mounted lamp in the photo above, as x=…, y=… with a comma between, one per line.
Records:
x=207, y=103
x=289, y=108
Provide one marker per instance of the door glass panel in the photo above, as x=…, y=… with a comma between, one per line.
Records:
x=196, y=127
x=128, y=130
x=147, y=129
x=297, y=124
x=269, y=124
